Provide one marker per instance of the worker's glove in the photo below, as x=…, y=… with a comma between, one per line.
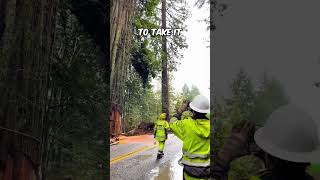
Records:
x=175, y=117
x=237, y=144
x=184, y=108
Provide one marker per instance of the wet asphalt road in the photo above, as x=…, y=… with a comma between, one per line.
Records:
x=144, y=165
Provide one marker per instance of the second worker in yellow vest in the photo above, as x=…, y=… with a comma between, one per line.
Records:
x=161, y=133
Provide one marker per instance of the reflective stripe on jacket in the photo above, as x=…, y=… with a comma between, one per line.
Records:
x=160, y=130
x=195, y=135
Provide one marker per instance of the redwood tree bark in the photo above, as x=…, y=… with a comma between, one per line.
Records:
x=26, y=38
x=121, y=18
x=165, y=77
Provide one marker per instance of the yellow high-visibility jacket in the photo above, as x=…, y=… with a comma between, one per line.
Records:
x=160, y=130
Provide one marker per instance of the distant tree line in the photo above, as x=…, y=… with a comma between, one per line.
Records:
x=248, y=102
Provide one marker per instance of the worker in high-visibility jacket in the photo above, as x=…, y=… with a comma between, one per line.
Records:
x=195, y=135
x=161, y=133
x=288, y=142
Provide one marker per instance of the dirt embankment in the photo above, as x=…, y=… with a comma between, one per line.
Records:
x=143, y=128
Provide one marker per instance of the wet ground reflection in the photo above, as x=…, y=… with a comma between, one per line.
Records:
x=170, y=170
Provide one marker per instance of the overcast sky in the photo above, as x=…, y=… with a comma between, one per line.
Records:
x=280, y=37
x=194, y=68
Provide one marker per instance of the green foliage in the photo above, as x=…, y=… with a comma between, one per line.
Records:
x=146, y=14
x=177, y=13
x=145, y=61
x=151, y=7
x=270, y=97
x=148, y=17
x=246, y=104
x=189, y=94
x=77, y=113
x=240, y=105
x=221, y=129
x=146, y=50
x=244, y=167
x=147, y=53
x=185, y=95
x=142, y=103
x=180, y=100
x=314, y=167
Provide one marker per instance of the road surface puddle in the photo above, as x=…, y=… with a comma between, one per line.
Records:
x=171, y=170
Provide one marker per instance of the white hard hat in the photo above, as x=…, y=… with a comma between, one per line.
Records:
x=200, y=104
x=290, y=134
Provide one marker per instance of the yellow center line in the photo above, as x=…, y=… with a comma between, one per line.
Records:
x=122, y=157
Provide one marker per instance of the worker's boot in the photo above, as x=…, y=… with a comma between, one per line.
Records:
x=160, y=154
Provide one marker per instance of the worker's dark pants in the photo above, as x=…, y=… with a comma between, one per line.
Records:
x=199, y=173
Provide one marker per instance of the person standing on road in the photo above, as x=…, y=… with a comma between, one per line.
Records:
x=161, y=133
x=195, y=135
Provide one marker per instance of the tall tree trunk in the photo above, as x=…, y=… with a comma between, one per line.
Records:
x=165, y=77
x=120, y=44
x=26, y=37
